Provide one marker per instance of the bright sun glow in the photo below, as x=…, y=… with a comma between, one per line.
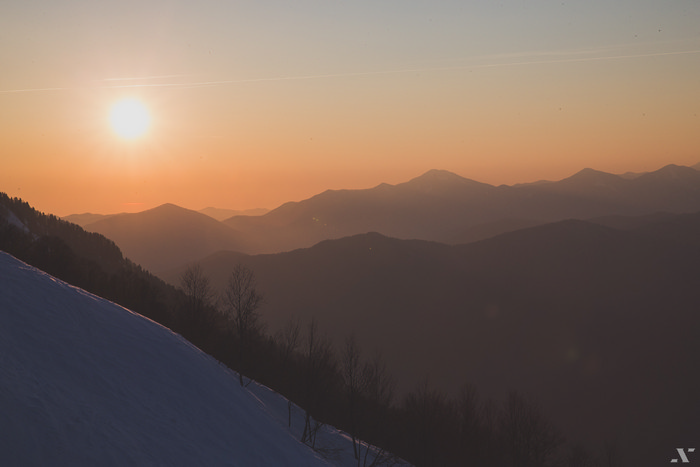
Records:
x=129, y=118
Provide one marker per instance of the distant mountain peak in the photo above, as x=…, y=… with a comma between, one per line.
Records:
x=221, y=214
x=169, y=207
x=631, y=175
x=440, y=172
x=168, y=235
x=589, y=172
x=439, y=175
x=678, y=175
x=436, y=180
x=592, y=177
x=674, y=170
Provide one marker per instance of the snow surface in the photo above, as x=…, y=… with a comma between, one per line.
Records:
x=84, y=381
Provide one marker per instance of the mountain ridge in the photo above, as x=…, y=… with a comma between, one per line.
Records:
x=168, y=235
x=436, y=206
x=439, y=205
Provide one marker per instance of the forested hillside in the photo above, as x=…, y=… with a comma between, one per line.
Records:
x=87, y=260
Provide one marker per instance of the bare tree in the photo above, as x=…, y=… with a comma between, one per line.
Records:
x=241, y=301
x=379, y=385
x=530, y=439
x=472, y=437
x=199, y=303
x=320, y=367
x=489, y=451
x=432, y=421
x=197, y=286
x=378, y=393
x=579, y=456
x=354, y=383
x=611, y=453
x=289, y=339
x=368, y=390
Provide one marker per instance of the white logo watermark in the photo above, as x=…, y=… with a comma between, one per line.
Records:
x=682, y=456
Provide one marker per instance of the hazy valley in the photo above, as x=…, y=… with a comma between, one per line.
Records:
x=596, y=322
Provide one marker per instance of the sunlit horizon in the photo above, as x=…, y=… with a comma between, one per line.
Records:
x=254, y=105
x=116, y=206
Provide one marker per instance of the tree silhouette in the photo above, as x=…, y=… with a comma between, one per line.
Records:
x=530, y=439
x=197, y=313
x=319, y=371
x=354, y=383
x=241, y=301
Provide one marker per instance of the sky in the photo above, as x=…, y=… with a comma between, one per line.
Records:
x=253, y=104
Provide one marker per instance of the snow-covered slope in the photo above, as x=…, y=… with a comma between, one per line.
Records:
x=86, y=382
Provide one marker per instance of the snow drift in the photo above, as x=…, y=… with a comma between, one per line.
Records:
x=84, y=381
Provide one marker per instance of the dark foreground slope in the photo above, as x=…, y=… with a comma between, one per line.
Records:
x=86, y=382
x=600, y=324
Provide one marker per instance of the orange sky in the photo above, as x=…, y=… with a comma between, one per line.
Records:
x=257, y=104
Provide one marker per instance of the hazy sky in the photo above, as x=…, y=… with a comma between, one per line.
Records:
x=258, y=103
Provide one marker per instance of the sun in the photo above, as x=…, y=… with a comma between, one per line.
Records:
x=129, y=118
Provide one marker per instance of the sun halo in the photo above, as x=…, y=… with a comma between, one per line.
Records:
x=129, y=118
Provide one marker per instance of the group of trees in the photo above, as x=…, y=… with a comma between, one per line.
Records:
x=233, y=313
x=298, y=361
x=341, y=386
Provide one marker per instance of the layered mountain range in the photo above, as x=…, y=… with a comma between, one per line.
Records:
x=437, y=206
x=445, y=207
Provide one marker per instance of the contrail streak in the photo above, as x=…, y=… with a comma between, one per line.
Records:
x=348, y=74
x=12, y=91
x=587, y=59
x=144, y=78
x=405, y=70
